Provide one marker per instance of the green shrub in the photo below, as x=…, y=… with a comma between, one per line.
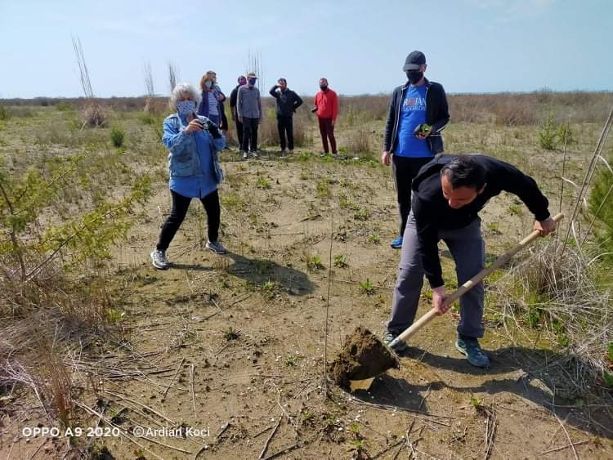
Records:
x=4, y=113
x=262, y=183
x=340, y=261
x=80, y=237
x=548, y=134
x=367, y=288
x=601, y=207
x=314, y=263
x=117, y=136
x=565, y=134
x=323, y=189
x=64, y=107
x=361, y=214
x=21, y=112
x=149, y=119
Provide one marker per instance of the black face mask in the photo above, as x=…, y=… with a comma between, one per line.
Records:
x=323, y=87
x=414, y=76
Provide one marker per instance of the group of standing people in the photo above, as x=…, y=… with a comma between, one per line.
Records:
x=246, y=106
x=439, y=196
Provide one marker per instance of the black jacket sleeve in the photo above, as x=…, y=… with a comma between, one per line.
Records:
x=273, y=92
x=389, y=124
x=427, y=243
x=233, y=96
x=297, y=101
x=440, y=114
x=512, y=180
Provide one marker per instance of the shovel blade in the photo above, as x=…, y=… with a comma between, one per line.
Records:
x=360, y=384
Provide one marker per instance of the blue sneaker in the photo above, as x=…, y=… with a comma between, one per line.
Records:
x=396, y=243
x=470, y=348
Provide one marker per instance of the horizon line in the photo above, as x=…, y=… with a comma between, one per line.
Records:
x=156, y=96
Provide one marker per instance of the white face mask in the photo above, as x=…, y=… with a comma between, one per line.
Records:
x=186, y=107
x=208, y=84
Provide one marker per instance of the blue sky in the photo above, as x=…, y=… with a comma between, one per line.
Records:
x=360, y=46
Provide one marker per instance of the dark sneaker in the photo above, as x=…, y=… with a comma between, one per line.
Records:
x=400, y=347
x=396, y=243
x=159, y=260
x=472, y=350
x=216, y=247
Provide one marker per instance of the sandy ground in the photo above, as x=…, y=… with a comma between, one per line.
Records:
x=233, y=348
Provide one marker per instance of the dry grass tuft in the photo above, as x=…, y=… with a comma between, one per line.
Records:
x=32, y=354
x=94, y=116
x=555, y=293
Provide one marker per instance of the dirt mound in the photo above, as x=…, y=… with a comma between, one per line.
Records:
x=363, y=356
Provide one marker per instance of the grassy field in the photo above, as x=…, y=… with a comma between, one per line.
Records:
x=230, y=352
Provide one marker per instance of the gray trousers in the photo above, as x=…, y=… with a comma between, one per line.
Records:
x=468, y=251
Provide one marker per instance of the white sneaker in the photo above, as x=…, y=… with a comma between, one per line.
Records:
x=244, y=155
x=159, y=260
x=254, y=154
x=216, y=247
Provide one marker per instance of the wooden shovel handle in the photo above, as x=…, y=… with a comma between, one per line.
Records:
x=468, y=285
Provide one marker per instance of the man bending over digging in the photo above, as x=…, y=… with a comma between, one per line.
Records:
x=448, y=193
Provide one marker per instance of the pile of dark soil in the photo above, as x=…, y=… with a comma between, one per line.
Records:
x=363, y=356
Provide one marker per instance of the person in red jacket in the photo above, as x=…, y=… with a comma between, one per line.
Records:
x=326, y=108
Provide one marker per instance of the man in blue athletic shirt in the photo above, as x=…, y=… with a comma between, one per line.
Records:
x=418, y=112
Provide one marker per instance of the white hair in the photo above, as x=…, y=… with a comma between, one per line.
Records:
x=179, y=91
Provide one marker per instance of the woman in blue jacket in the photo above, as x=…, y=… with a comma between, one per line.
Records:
x=193, y=142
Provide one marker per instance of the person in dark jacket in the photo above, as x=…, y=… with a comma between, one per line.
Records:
x=287, y=103
x=417, y=114
x=233, y=96
x=448, y=194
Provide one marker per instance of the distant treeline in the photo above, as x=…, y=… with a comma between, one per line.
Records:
x=508, y=109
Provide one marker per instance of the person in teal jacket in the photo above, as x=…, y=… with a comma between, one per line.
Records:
x=194, y=143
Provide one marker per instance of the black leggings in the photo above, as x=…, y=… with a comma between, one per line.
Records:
x=405, y=170
x=180, y=204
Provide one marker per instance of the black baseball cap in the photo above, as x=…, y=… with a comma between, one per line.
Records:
x=414, y=60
